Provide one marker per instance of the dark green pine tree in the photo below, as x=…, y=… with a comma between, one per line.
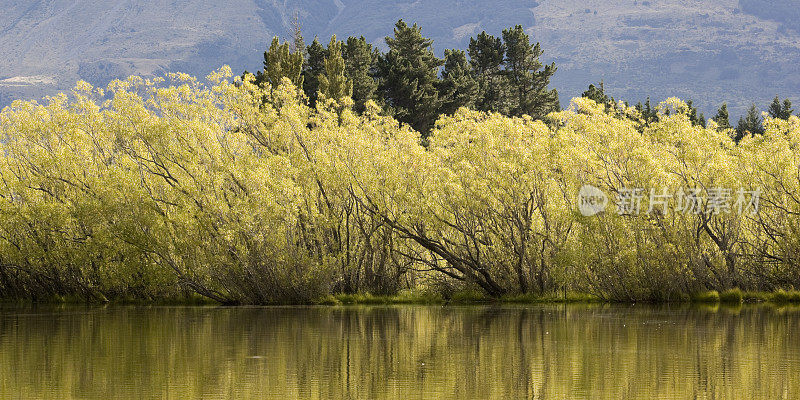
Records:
x=313, y=69
x=333, y=84
x=458, y=87
x=527, y=78
x=701, y=120
x=408, y=78
x=360, y=60
x=781, y=110
x=280, y=62
x=486, y=54
x=722, y=118
x=648, y=112
x=751, y=124
x=697, y=119
x=598, y=94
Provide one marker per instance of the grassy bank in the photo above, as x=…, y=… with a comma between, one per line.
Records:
x=415, y=297
x=737, y=296
x=464, y=297
x=734, y=296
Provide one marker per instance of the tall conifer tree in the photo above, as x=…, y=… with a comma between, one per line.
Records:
x=408, y=75
x=333, y=84
x=778, y=109
x=280, y=62
x=751, y=124
x=649, y=113
x=598, y=94
x=722, y=118
x=486, y=54
x=528, y=79
x=360, y=60
x=458, y=87
x=314, y=68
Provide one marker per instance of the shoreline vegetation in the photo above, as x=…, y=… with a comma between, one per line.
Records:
x=242, y=194
x=731, y=297
x=242, y=190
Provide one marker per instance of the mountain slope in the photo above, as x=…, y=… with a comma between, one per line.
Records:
x=709, y=51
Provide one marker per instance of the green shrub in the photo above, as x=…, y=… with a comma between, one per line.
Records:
x=571, y=297
x=784, y=297
x=706, y=297
x=417, y=297
x=731, y=296
x=468, y=296
x=757, y=297
x=794, y=296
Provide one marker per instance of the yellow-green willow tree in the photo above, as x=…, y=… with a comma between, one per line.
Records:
x=772, y=162
x=669, y=251
x=481, y=201
x=203, y=188
x=241, y=193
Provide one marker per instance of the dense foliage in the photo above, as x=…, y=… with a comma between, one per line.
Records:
x=242, y=193
x=496, y=74
x=410, y=82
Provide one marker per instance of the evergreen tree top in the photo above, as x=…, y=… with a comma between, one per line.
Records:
x=778, y=109
x=486, y=52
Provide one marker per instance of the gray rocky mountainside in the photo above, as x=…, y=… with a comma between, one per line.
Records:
x=739, y=51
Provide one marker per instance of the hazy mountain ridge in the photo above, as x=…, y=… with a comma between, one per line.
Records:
x=710, y=51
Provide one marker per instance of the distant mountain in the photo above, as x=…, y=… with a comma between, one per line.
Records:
x=739, y=51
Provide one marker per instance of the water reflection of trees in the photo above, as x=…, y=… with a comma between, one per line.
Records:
x=443, y=352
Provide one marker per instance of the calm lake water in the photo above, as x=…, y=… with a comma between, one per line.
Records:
x=402, y=352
